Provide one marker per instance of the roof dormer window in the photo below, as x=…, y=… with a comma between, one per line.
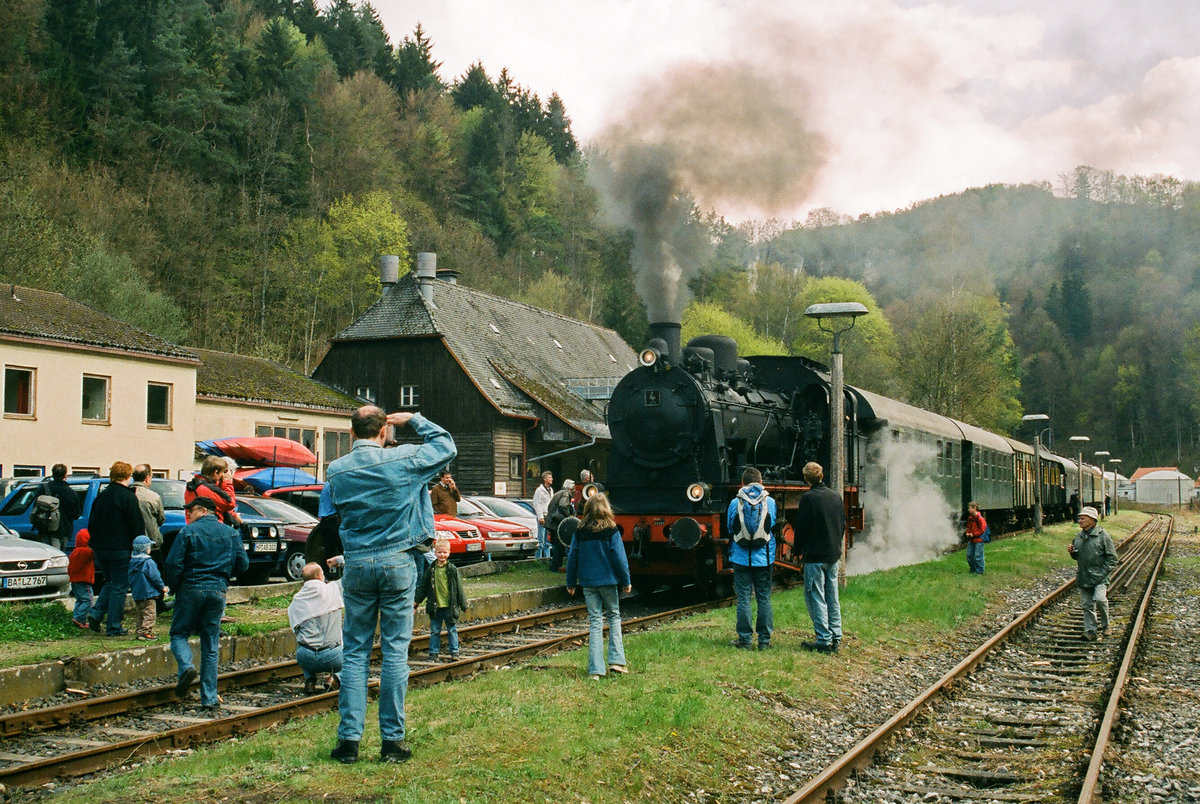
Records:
x=495, y=382
x=556, y=343
x=494, y=328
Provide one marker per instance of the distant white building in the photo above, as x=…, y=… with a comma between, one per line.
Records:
x=1161, y=485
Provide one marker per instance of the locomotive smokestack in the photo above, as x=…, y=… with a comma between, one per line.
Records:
x=669, y=332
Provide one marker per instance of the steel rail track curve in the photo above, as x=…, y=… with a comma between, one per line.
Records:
x=1136, y=549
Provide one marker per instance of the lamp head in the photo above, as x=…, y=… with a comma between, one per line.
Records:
x=1035, y=417
x=1080, y=439
x=836, y=310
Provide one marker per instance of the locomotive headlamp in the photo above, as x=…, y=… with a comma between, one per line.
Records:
x=697, y=492
x=648, y=357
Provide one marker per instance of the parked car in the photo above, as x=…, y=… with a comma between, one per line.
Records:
x=305, y=497
x=261, y=537
x=467, y=544
x=508, y=509
x=297, y=524
x=31, y=570
x=7, y=484
x=503, y=539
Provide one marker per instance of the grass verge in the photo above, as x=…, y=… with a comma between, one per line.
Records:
x=693, y=714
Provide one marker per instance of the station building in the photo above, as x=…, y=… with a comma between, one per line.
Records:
x=520, y=388
x=85, y=389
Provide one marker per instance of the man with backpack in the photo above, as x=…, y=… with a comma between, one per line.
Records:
x=751, y=520
x=55, y=509
x=820, y=529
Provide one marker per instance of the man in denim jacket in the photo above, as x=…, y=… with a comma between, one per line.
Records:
x=381, y=496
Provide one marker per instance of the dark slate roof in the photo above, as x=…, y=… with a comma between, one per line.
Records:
x=508, y=348
x=253, y=379
x=45, y=315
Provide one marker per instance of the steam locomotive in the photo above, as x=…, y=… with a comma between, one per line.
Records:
x=687, y=421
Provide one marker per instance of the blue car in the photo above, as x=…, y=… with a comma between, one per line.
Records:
x=261, y=537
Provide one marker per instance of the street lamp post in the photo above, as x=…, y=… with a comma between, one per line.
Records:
x=1079, y=442
x=1103, y=456
x=1037, y=470
x=837, y=318
x=1116, y=496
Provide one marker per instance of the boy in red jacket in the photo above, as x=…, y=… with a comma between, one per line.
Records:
x=81, y=569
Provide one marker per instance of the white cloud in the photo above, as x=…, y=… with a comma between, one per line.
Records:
x=914, y=99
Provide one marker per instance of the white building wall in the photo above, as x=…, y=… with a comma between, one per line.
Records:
x=57, y=432
x=1163, y=492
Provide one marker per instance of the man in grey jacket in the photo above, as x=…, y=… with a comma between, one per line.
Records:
x=1093, y=550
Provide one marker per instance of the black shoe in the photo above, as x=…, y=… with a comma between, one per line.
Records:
x=764, y=645
x=819, y=647
x=740, y=645
x=121, y=633
x=310, y=686
x=94, y=624
x=211, y=710
x=346, y=752
x=837, y=643
x=184, y=684
x=393, y=751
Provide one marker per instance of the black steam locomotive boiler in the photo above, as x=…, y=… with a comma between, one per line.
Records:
x=685, y=424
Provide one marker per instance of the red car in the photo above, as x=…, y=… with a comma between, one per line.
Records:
x=466, y=542
x=504, y=539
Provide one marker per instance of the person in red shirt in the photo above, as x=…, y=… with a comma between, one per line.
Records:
x=976, y=526
x=215, y=482
x=81, y=569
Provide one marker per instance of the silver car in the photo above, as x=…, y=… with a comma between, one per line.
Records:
x=31, y=570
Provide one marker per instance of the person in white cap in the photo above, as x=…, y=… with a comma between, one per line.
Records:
x=1093, y=550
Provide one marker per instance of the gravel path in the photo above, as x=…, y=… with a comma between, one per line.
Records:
x=1157, y=753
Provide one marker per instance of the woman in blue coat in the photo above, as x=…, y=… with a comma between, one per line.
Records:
x=597, y=562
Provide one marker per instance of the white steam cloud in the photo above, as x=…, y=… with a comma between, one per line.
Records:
x=908, y=518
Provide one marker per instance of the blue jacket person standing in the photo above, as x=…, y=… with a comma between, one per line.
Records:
x=751, y=520
x=820, y=528
x=596, y=561
x=382, y=498
x=205, y=555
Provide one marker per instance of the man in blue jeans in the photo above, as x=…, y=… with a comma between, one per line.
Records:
x=382, y=498
x=820, y=528
x=114, y=522
x=751, y=520
x=205, y=555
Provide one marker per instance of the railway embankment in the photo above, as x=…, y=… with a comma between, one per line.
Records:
x=90, y=665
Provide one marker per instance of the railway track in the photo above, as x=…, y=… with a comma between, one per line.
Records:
x=90, y=735
x=1026, y=717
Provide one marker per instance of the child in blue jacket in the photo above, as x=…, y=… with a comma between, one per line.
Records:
x=146, y=585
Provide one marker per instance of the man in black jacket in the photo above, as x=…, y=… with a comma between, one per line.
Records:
x=115, y=521
x=68, y=507
x=560, y=509
x=820, y=528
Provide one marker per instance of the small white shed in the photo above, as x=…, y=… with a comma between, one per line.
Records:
x=1163, y=487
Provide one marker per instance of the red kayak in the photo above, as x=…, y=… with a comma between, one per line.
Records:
x=262, y=450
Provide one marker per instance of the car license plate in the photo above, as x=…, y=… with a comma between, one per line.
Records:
x=24, y=581
x=474, y=548
x=266, y=547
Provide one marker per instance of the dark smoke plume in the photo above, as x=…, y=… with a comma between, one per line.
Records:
x=729, y=137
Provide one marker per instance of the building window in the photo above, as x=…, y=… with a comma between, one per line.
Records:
x=301, y=435
x=365, y=392
x=18, y=391
x=85, y=471
x=408, y=396
x=95, y=399
x=514, y=464
x=158, y=404
x=29, y=471
x=337, y=444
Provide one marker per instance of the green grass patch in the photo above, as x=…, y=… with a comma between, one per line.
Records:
x=22, y=622
x=692, y=714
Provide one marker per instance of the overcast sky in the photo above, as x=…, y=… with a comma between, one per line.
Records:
x=900, y=100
